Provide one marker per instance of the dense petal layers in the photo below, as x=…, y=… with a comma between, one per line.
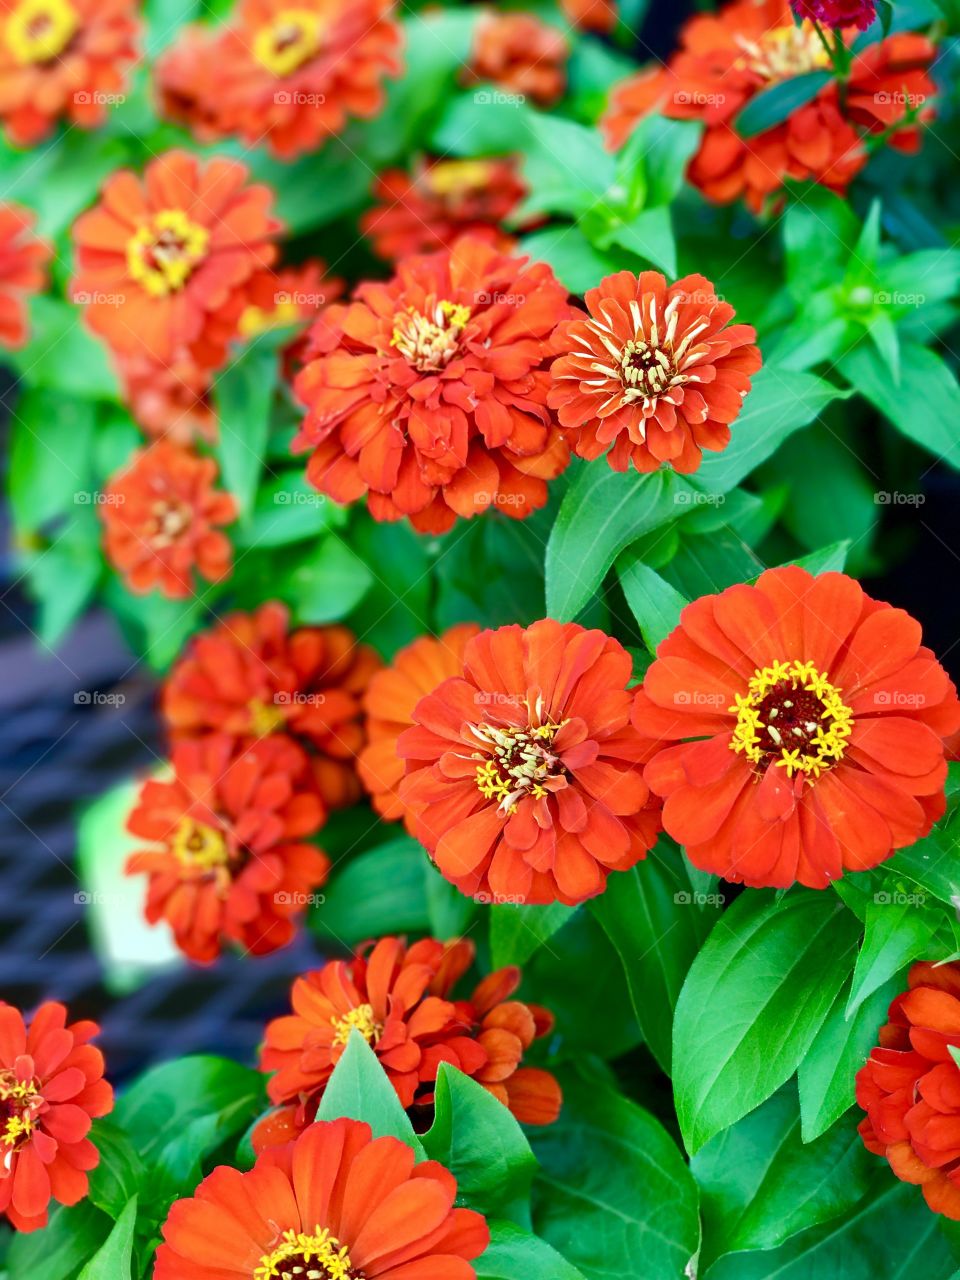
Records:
x=837, y=13
x=51, y=1089
x=229, y=860
x=23, y=271
x=524, y=774
x=523, y=56
x=800, y=730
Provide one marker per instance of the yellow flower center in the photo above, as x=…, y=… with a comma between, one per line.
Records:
x=293, y=38
x=360, y=1019
x=310, y=1257
x=784, y=52
x=792, y=717
x=40, y=30
x=170, y=521
x=198, y=846
x=20, y=1102
x=257, y=320
x=519, y=763
x=429, y=342
x=455, y=177
x=163, y=253
x=265, y=717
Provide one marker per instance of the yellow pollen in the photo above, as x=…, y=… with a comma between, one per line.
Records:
x=456, y=177
x=163, y=253
x=318, y=1257
x=198, y=846
x=360, y=1019
x=256, y=320
x=40, y=30
x=265, y=717
x=792, y=716
x=520, y=762
x=293, y=38
x=429, y=342
x=784, y=52
x=20, y=1102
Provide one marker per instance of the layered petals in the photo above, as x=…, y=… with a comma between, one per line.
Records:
x=23, y=272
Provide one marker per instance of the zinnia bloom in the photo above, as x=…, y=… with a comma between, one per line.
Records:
x=63, y=59
x=837, y=13
x=164, y=262
x=337, y=1204
x=169, y=401
x=161, y=518
x=521, y=55
x=910, y=1087
x=591, y=15
x=524, y=772
x=655, y=373
x=289, y=297
x=286, y=75
x=441, y=200
x=229, y=861
x=51, y=1089
x=399, y=998
x=389, y=703
x=728, y=58
x=250, y=676
x=819, y=721
x=23, y=271
x=429, y=392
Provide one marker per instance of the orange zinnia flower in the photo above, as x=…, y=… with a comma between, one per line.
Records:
x=521, y=55
x=428, y=393
x=230, y=862
x=524, y=773
x=655, y=373
x=728, y=58
x=290, y=75
x=250, y=676
x=51, y=1088
x=164, y=263
x=399, y=998
x=439, y=201
x=169, y=401
x=289, y=297
x=591, y=15
x=820, y=721
x=63, y=59
x=335, y=1203
x=23, y=271
x=161, y=515
x=389, y=704
x=910, y=1087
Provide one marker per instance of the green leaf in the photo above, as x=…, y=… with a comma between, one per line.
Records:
x=60, y=1250
x=313, y=191
x=327, y=585
x=820, y=232
x=449, y=911
x=63, y=577
x=361, y=1090
x=50, y=450
x=287, y=510
x=650, y=236
x=115, y=1181
x=826, y=1075
x=831, y=559
x=476, y=1137
x=513, y=1253
x=655, y=604
x=566, y=167
x=774, y=105
x=654, y=160
x=897, y=932
x=517, y=932
x=614, y=1188
x=113, y=1260
x=380, y=891
x=61, y=355
x=244, y=396
x=752, y=1004
x=657, y=918
x=841, y=505
x=575, y=261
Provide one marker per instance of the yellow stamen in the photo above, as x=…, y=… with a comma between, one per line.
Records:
x=265, y=717
x=455, y=177
x=360, y=1019
x=20, y=1102
x=784, y=52
x=163, y=252
x=520, y=761
x=40, y=30
x=331, y=1259
x=293, y=38
x=431, y=341
x=198, y=846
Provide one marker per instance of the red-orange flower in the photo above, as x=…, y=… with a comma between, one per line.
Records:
x=400, y=999
x=169, y=400
x=655, y=373
x=428, y=392
x=63, y=59
x=910, y=1087
x=229, y=861
x=51, y=1088
x=161, y=518
x=524, y=773
x=809, y=723
x=23, y=271
x=591, y=15
x=164, y=262
x=286, y=75
x=289, y=297
x=728, y=58
x=521, y=55
x=336, y=1203
x=389, y=702
x=250, y=676
x=440, y=200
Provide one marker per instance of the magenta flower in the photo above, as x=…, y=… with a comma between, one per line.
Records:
x=837, y=13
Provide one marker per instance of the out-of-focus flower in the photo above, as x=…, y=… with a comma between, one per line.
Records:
x=289, y=297
x=524, y=773
x=250, y=676
x=229, y=860
x=389, y=702
x=728, y=58
x=63, y=60
x=837, y=13
x=161, y=518
x=428, y=393
x=800, y=729
x=439, y=201
x=591, y=15
x=51, y=1089
x=23, y=271
x=336, y=1203
x=910, y=1087
x=522, y=56
x=169, y=401
x=164, y=262
x=401, y=1001
x=287, y=75
x=655, y=373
